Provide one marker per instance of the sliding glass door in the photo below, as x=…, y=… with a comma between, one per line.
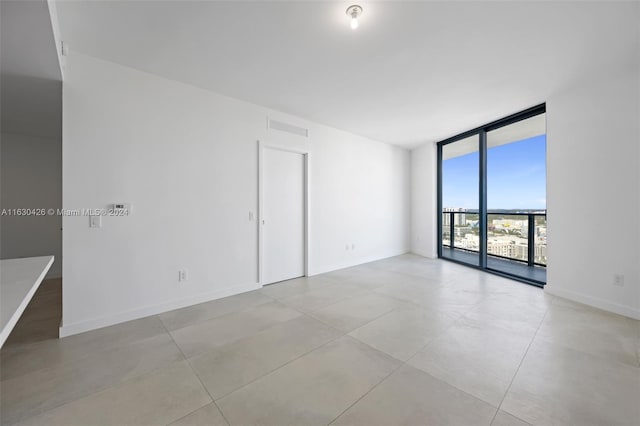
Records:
x=460, y=202
x=492, y=198
x=516, y=198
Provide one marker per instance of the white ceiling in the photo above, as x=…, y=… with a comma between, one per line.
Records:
x=520, y=130
x=31, y=79
x=413, y=72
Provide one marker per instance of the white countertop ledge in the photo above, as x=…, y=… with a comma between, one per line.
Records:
x=19, y=280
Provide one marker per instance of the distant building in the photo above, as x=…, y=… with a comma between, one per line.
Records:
x=509, y=224
x=514, y=248
x=459, y=218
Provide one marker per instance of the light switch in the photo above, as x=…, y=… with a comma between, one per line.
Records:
x=95, y=221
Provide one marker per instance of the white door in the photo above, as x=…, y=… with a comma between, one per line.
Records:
x=283, y=215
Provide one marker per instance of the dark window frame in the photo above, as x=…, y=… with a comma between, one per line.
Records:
x=481, y=131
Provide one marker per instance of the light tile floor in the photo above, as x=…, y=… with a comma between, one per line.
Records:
x=401, y=341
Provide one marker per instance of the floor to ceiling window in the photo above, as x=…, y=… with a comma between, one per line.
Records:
x=492, y=197
x=460, y=170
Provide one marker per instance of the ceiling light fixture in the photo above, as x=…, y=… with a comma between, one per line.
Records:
x=354, y=11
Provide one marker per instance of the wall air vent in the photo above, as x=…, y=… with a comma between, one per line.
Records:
x=289, y=128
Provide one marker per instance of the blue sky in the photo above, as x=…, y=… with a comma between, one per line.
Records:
x=516, y=177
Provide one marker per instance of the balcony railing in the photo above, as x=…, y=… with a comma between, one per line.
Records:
x=517, y=236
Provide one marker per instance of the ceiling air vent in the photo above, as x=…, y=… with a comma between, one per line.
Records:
x=289, y=128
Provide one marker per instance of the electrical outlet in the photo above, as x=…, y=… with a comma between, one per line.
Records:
x=353, y=246
x=346, y=247
x=182, y=275
x=618, y=280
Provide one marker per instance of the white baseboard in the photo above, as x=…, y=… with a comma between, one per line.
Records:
x=81, y=327
x=595, y=302
x=355, y=262
x=423, y=254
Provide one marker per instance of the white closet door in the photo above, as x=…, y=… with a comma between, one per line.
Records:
x=283, y=215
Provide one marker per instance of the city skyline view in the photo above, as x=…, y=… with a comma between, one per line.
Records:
x=516, y=177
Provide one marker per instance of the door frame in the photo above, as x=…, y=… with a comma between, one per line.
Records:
x=262, y=146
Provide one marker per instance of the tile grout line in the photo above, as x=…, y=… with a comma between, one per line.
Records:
x=402, y=364
x=99, y=390
x=361, y=325
x=213, y=401
x=343, y=334
x=105, y=389
x=244, y=309
x=588, y=309
x=456, y=387
x=281, y=301
x=406, y=363
x=518, y=369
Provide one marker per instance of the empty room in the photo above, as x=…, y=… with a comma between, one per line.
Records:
x=319, y=213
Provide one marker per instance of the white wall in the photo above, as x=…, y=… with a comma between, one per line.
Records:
x=31, y=178
x=186, y=159
x=593, y=191
x=424, y=201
